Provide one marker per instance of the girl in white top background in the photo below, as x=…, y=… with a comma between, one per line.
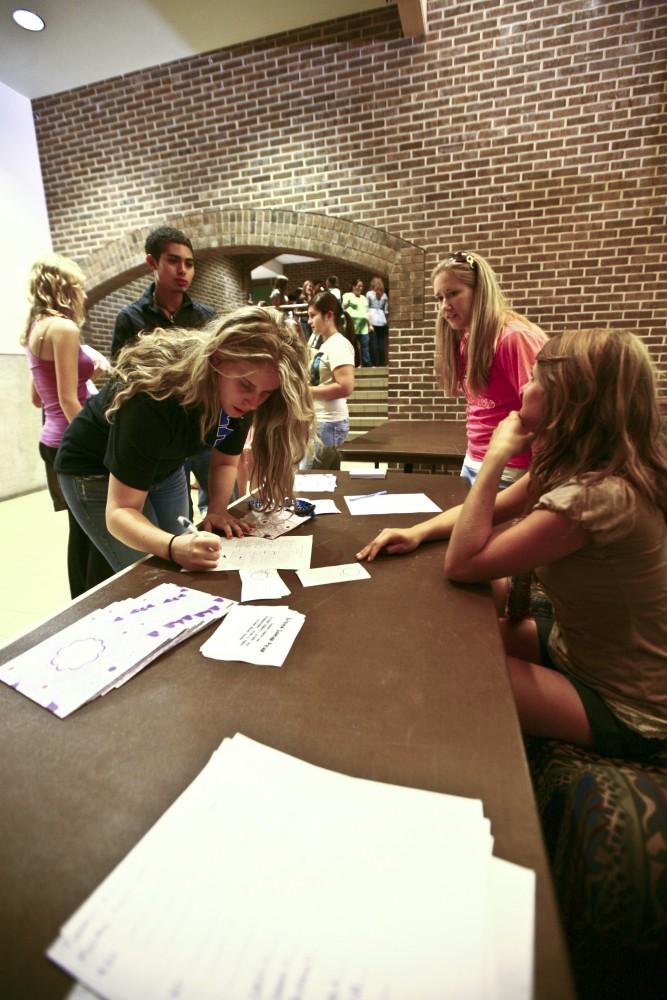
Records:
x=334, y=353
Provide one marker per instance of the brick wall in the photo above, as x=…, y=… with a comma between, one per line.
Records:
x=532, y=131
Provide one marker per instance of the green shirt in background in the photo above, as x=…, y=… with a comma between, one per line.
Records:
x=357, y=307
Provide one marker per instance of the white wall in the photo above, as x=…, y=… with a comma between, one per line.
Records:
x=25, y=224
x=25, y=231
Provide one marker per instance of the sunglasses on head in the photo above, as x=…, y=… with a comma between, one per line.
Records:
x=460, y=257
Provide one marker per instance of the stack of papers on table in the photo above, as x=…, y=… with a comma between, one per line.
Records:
x=367, y=473
x=269, y=877
x=314, y=482
x=383, y=502
x=109, y=646
x=255, y=634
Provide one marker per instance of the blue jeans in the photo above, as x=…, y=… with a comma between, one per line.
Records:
x=364, y=346
x=86, y=497
x=199, y=464
x=509, y=475
x=331, y=434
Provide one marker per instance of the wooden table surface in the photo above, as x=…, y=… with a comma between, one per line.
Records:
x=410, y=441
x=400, y=678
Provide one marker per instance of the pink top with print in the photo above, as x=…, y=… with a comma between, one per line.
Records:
x=511, y=368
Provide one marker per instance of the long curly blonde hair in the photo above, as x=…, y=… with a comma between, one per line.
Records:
x=182, y=364
x=56, y=289
x=490, y=312
x=601, y=413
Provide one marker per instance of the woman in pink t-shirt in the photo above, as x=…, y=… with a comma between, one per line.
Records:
x=484, y=351
x=60, y=369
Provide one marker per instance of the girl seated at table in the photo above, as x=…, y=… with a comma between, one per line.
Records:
x=172, y=393
x=592, y=524
x=484, y=351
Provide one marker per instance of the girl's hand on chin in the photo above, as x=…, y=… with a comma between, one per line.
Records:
x=510, y=436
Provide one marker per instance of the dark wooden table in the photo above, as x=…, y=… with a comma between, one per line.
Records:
x=409, y=441
x=400, y=678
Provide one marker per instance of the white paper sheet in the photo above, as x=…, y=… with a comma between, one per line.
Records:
x=262, y=635
x=326, y=507
x=314, y=482
x=512, y=916
x=391, y=503
x=81, y=992
x=262, y=585
x=333, y=574
x=270, y=877
x=263, y=553
x=368, y=473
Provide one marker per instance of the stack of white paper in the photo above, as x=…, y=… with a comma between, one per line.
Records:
x=262, y=585
x=314, y=482
x=109, y=646
x=383, y=502
x=270, y=878
x=367, y=473
x=256, y=634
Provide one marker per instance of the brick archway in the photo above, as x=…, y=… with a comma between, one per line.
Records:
x=251, y=231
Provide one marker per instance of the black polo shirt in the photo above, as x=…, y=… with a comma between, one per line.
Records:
x=144, y=315
x=145, y=442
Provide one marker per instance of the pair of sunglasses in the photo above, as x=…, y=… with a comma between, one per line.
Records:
x=460, y=257
x=302, y=508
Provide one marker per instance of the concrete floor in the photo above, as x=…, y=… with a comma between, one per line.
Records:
x=34, y=549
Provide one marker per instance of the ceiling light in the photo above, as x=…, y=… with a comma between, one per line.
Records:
x=28, y=20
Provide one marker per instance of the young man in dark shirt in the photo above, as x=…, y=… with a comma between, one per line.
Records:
x=166, y=303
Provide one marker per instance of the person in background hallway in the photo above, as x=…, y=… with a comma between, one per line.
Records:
x=120, y=461
x=590, y=518
x=356, y=306
x=378, y=310
x=278, y=295
x=307, y=291
x=60, y=369
x=164, y=304
x=331, y=285
x=306, y=296
x=331, y=370
x=484, y=351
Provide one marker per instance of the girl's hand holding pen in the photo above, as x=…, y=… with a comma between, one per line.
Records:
x=195, y=549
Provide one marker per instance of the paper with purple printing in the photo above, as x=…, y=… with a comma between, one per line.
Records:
x=107, y=647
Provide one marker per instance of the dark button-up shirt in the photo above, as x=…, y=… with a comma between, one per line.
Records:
x=144, y=315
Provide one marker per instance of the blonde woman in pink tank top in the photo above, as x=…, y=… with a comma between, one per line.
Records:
x=60, y=369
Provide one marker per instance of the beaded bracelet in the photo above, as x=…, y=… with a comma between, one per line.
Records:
x=169, y=555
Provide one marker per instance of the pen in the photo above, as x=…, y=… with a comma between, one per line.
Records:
x=190, y=528
x=365, y=496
